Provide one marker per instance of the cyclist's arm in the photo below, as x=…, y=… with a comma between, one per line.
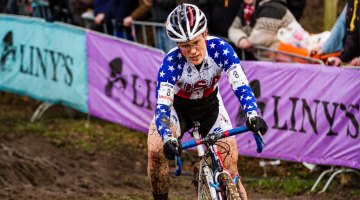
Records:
x=165, y=90
x=238, y=80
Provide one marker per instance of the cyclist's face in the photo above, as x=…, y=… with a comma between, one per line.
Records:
x=195, y=49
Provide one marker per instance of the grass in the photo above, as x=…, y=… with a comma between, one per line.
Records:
x=289, y=186
x=73, y=133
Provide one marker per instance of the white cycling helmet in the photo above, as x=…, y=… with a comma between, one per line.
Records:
x=185, y=23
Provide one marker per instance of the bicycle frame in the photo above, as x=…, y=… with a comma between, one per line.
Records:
x=218, y=166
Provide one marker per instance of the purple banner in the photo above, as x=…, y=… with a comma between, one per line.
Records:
x=312, y=112
x=122, y=81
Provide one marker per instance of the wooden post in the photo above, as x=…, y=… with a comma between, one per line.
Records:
x=330, y=13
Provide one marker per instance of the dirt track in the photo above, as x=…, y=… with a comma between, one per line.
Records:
x=33, y=168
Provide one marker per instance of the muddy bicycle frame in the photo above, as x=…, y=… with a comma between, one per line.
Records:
x=212, y=173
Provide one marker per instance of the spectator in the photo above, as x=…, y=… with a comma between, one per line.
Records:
x=267, y=19
x=220, y=14
x=296, y=7
x=160, y=9
x=102, y=21
x=142, y=12
x=335, y=42
x=42, y=9
x=3, y=6
x=119, y=10
x=244, y=16
x=60, y=11
x=350, y=52
x=12, y=7
x=77, y=8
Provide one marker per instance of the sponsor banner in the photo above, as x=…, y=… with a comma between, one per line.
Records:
x=46, y=61
x=122, y=80
x=313, y=112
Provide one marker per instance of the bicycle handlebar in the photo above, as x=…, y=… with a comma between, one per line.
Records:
x=211, y=139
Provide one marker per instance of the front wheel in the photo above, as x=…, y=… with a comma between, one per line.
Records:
x=228, y=188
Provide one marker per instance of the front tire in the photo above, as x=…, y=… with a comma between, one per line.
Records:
x=229, y=190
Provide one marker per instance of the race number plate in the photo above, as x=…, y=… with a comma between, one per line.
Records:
x=166, y=94
x=236, y=76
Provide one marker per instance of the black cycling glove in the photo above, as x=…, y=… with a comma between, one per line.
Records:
x=172, y=147
x=256, y=123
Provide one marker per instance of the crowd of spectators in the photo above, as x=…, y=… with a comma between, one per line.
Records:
x=244, y=23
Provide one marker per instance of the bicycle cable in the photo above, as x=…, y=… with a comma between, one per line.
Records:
x=224, y=146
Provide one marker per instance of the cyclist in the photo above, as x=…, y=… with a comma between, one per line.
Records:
x=187, y=91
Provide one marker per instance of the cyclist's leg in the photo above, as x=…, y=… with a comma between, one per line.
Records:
x=230, y=158
x=158, y=168
x=230, y=162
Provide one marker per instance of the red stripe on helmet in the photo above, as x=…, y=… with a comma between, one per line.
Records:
x=191, y=17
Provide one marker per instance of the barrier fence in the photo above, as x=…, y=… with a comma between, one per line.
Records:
x=313, y=111
x=145, y=32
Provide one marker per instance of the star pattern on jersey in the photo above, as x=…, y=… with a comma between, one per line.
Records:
x=162, y=113
x=222, y=55
x=247, y=98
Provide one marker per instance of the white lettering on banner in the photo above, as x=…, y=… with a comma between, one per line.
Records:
x=236, y=76
x=166, y=94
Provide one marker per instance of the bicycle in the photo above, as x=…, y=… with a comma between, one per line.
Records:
x=212, y=179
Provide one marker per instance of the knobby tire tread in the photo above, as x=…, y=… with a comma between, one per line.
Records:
x=229, y=188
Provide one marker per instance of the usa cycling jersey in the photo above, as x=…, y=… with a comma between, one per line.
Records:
x=178, y=76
